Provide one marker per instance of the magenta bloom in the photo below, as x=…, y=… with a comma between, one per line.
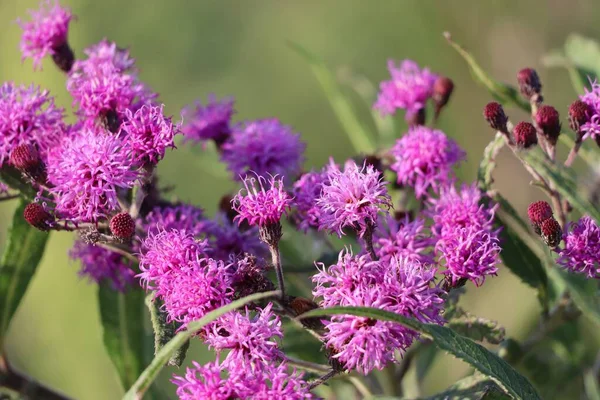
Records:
x=351, y=198
x=259, y=205
x=106, y=52
x=182, y=216
x=591, y=128
x=86, y=174
x=278, y=383
x=205, y=382
x=227, y=239
x=307, y=190
x=253, y=340
x=99, y=264
x=28, y=116
x=403, y=239
x=148, y=133
x=424, y=158
x=46, y=32
x=3, y=188
x=581, y=253
x=208, y=122
x=409, y=88
x=396, y=285
x=470, y=253
x=265, y=147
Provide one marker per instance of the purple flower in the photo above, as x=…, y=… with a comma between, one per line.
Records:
x=185, y=217
x=100, y=264
x=278, y=383
x=423, y=159
x=190, y=284
x=351, y=198
x=209, y=122
x=148, y=133
x=205, y=382
x=3, y=188
x=397, y=285
x=227, y=239
x=265, y=147
x=470, y=253
x=102, y=84
x=409, y=88
x=259, y=205
x=307, y=190
x=252, y=340
x=581, y=253
x=28, y=116
x=46, y=32
x=591, y=128
x=87, y=174
x=404, y=239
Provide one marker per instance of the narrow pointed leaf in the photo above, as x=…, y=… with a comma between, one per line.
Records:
x=360, y=137
x=23, y=252
x=448, y=340
x=504, y=93
x=122, y=317
x=148, y=376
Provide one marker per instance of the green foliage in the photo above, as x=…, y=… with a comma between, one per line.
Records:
x=448, y=340
x=502, y=92
x=122, y=316
x=164, y=331
x=473, y=387
x=477, y=328
x=14, y=179
x=19, y=262
x=360, y=137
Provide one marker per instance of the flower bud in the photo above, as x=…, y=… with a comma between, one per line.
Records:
x=122, y=226
x=495, y=116
x=538, y=212
x=579, y=114
x=529, y=83
x=551, y=232
x=442, y=90
x=549, y=122
x=26, y=159
x=38, y=217
x=525, y=135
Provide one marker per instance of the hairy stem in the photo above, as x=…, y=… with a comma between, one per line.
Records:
x=322, y=379
x=573, y=153
x=276, y=259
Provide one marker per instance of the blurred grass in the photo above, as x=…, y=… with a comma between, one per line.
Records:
x=186, y=50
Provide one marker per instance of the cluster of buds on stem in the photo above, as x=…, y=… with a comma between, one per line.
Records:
x=543, y=222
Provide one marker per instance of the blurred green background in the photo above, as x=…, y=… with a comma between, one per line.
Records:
x=186, y=50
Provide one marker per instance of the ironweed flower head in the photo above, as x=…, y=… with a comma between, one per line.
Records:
x=148, y=133
x=538, y=212
x=265, y=147
x=252, y=338
x=525, y=135
x=494, y=114
x=208, y=122
x=28, y=116
x=87, y=174
x=591, y=128
x=262, y=204
x=183, y=217
x=306, y=191
x=404, y=239
x=46, y=33
x=551, y=232
x=228, y=239
x=99, y=264
x=581, y=252
x=424, y=158
x=37, y=216
x=548, y=120
x=351, y=198
x=409, y=88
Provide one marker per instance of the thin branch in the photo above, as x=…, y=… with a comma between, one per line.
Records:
x=321, y=380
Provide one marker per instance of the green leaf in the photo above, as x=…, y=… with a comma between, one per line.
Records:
x=164, y=331
x=148, y=376
x=20, y=259
x=473, y=387
x=14, y=180
x=477, y=328
x=578, y=76
x=360, y=137
x=122, y=316
x=504, y=93
x=488, y=163
x=565, y=181
x=446, y=339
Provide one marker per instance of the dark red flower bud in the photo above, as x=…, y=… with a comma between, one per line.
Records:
x=494, y=115
x=548, y=120
x=25, y=158
x=579, y=114
x=529, y=83
x=36, y=216
x=539, y=211
x=525, y=135
x=442, y=90
x=122, y=226
x=551, y=232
